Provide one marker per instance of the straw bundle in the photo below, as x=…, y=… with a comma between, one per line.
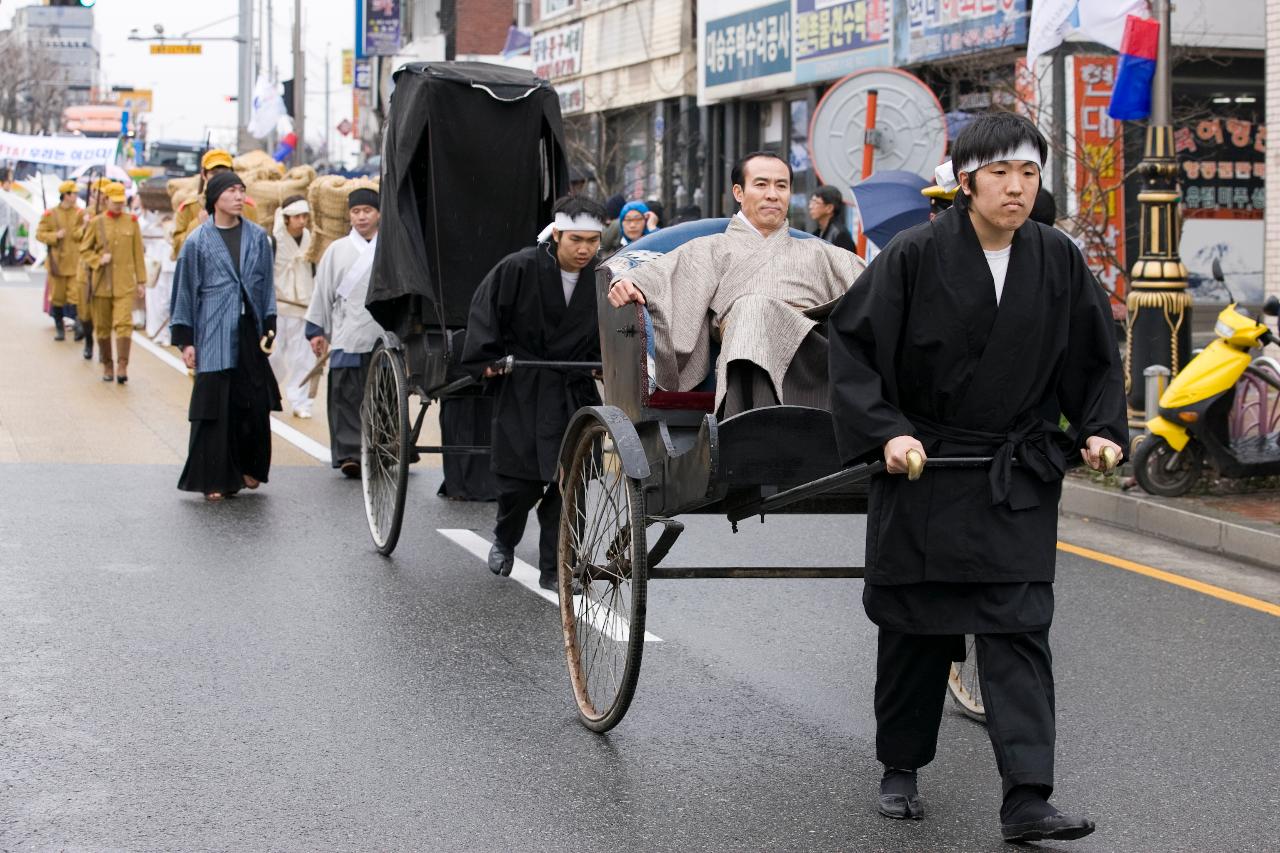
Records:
x=251, y=160
x=328, y=200
x=269, y=190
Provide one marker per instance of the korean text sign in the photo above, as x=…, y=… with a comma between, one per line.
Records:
x=754, y=43
x=1099, y=169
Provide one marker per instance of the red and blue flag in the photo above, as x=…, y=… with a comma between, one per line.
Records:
x=1131, y=97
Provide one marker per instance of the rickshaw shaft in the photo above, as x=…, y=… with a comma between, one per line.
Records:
x=840, y=479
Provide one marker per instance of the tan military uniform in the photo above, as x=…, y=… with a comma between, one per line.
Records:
x=185, y=221
x=64, y=252
x=115, y=284
x=188, y=219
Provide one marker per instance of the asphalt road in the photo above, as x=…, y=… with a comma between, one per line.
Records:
x=252, y=676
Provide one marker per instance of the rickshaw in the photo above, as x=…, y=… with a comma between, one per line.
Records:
x=629, y=467
x=473, y=161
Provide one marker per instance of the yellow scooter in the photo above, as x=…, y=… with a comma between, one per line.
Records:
x=1195, y=411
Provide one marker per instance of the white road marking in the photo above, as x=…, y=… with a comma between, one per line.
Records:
x=606, y=622
x=17, y=276
x=305, y=443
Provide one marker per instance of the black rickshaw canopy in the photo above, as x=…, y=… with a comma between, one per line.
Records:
x=473, y=160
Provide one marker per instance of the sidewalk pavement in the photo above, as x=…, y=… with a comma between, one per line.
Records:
x=1244, y=526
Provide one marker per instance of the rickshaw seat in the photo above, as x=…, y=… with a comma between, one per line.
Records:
x=700, y=399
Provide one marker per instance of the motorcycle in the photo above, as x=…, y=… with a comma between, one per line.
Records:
x=1194, y=420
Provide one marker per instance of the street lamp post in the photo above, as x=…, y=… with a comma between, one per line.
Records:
x=1159, y=324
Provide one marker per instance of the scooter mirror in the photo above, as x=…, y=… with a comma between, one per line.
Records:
x=1217, y=271
x=1272, y=306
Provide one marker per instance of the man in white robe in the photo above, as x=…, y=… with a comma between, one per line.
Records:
x=759, y=290
x=293, y=360
x=338, y=323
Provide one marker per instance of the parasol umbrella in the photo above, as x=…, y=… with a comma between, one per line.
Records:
x=889, y=202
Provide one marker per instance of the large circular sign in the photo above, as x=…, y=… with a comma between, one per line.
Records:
x=910, y=129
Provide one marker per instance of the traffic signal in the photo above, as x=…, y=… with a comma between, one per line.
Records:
x=88, y=4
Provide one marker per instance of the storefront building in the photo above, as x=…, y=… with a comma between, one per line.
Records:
x=764, y=66
x=626, y=74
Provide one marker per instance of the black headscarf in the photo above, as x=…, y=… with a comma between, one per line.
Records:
x=219, y=184
x=362, y=195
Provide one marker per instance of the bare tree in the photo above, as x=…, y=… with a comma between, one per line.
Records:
x=33, y=88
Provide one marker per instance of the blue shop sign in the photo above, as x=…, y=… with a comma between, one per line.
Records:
x=750, y=44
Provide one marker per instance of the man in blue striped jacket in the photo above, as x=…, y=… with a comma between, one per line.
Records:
x=223, y=318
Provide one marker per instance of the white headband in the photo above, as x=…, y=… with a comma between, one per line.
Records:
x=581, y=222
x=298, y=207
x=946, y=174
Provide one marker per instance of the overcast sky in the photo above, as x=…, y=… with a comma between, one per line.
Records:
x=191, y=91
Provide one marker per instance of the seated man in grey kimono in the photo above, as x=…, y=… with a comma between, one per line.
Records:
x=760, y=290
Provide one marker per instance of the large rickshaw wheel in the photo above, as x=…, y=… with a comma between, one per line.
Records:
x=384, y=447
x=602, y=546
x=963, y=684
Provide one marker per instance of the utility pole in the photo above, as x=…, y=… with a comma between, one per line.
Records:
x=244, y=94
x=271, y=63
x=299, y=87
x=328, y=144
x=271, y=43
x=1159, y=325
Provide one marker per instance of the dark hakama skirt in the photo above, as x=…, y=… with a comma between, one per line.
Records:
x=748, y=385
x=345, y=395
x=230, y=416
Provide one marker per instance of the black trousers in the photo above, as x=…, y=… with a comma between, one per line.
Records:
x=1015, y=672
x=516, y=497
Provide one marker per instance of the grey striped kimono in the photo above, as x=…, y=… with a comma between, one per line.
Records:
x=206, y=291
x=750, y=290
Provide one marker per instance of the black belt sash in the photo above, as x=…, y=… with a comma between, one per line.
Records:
x=1030, y=441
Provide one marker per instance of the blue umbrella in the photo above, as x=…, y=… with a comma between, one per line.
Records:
x=890, y=202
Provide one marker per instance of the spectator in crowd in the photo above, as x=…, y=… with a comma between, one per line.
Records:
x=826, y=208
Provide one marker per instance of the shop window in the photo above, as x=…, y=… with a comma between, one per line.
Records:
x=550, y=8
x=804, y=183
x=629, y=154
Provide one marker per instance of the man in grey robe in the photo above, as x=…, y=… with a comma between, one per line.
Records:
x=338, y=323
x=756, y=288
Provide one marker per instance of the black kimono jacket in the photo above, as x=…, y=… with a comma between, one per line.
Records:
x=919, y=348
x=519, y=310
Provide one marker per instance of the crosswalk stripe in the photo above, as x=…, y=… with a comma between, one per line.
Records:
x=608, y=622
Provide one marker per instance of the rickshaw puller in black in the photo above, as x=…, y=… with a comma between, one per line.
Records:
x=971, y=335
x=537, y=304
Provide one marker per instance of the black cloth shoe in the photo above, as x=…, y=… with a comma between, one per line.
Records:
x=77, y=331
x=88, y=347
x=350, y=469
x=1059, y=827
x=501, y=560
x=1027, y=815
x=899, y=798
x=59, y=328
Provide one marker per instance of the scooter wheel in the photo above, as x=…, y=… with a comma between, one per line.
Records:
x=1166, y=472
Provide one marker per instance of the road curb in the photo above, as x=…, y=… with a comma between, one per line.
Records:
x=1155, y=516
